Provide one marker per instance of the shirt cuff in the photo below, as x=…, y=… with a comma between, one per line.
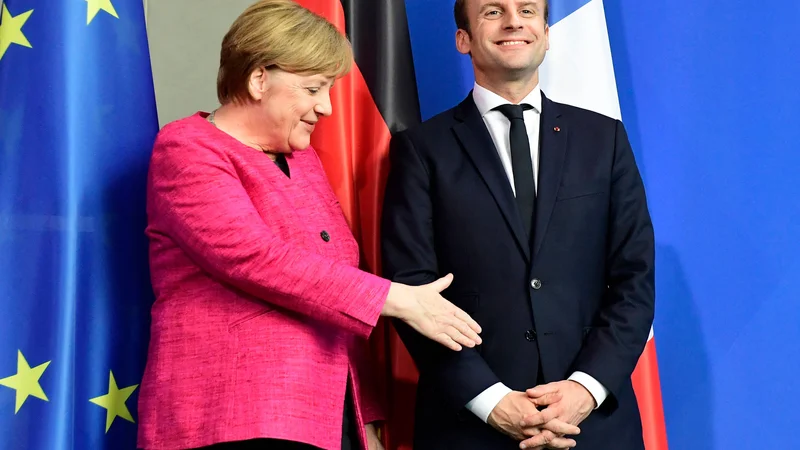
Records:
x=483, y=404
x=598, y=391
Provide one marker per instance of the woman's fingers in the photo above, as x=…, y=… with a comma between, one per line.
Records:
x=466, y=318
x=447, y=341
x=440, y=320
x=459, y=337
x=463, y=329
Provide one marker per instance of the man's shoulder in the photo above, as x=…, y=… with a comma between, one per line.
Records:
x=583, y=116
x=440, y=123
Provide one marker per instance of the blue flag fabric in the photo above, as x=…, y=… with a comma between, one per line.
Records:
x=77, y=123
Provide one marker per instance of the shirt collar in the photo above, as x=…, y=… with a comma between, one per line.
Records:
x=487, y=100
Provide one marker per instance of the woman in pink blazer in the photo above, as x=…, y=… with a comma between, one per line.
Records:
x=261, y=314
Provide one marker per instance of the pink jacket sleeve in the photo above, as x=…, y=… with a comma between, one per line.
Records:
x=206, y=210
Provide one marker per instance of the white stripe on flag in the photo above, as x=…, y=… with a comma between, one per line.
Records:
x=578, y=69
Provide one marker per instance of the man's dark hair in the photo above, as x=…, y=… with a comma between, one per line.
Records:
x=462, y=21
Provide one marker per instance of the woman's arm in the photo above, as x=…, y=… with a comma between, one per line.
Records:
x=197, y=196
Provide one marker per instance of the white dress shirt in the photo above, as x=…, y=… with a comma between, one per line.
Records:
x=499, y=127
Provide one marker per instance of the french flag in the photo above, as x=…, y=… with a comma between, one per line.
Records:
x=578, y=70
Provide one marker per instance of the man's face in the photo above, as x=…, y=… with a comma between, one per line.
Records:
x=508, y=37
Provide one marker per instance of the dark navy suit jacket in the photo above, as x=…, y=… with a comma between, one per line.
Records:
x=577, y=297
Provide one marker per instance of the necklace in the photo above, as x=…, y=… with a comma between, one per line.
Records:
x=210, y=119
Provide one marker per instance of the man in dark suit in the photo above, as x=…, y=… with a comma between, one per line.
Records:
x=539, y=211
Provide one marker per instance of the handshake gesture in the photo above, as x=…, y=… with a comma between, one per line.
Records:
x=565, y=405
x=431, y=315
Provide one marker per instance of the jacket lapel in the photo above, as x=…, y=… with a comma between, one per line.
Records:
x=475, y=139
x=553, y=134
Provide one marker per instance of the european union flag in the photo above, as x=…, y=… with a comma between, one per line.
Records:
x=77, y=123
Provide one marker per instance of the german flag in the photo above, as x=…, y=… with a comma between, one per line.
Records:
x=377, y=98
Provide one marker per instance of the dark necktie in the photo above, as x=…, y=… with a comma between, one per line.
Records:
x=521, y=164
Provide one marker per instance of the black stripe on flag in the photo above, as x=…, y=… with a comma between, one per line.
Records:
x=378, y=30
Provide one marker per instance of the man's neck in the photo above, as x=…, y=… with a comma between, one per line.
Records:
x=511, y=89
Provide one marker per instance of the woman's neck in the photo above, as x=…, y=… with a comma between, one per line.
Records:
x=238, y=122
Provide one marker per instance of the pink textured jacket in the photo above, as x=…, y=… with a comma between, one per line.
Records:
x=260, y=312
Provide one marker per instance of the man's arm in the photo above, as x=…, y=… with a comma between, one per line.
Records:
x=614, y=345
x=409, y=257
x=598, y=392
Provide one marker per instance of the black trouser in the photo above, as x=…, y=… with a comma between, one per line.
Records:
x=349, y=436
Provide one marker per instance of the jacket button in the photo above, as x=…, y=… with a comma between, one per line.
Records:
x=536, y=283
x=530, y=335
x=325, y=236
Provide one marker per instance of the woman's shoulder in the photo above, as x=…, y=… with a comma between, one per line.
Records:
x=186, y=142
x=190, y=135
x=186, y=129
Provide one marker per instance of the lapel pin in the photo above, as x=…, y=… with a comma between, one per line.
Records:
x=556, y=129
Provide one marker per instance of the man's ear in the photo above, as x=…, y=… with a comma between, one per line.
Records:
x=546, y=37
x=463, y=42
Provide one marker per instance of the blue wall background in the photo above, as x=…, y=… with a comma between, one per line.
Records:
x=710, y=97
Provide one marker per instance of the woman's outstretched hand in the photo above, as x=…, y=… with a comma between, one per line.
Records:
x=433, y=316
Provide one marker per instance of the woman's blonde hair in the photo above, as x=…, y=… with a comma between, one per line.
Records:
x=279, y=34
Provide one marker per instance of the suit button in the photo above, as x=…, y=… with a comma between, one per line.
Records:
x=536, y=283
x=530, y=335
x=325, y=236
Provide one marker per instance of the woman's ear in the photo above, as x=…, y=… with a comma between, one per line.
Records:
x=257, y=83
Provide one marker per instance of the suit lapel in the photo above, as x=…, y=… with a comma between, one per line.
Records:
x=553, y=134
x=475, y=139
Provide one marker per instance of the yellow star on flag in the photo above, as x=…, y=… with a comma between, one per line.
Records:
x=11, y=30
x=26, y=381
x=94, y=7
x=114, y=401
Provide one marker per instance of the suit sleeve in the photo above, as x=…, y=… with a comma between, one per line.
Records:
x=613, y=346
x=197, y=197
x=409, y=256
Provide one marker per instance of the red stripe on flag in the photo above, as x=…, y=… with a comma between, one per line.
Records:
x=353, y=144
x=647, y=385
x=402, y=398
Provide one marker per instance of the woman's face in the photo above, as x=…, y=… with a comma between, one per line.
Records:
x=291, y=105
